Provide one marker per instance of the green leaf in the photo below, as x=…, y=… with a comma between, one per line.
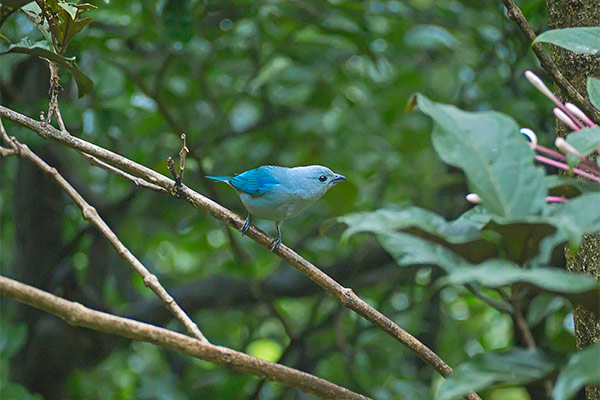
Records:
x=498, y=164
x=577, y=217
x=34, y=14
x=69, y=8
x=429, y=37
x=515, y=367
x=580, y=40
x=269, y=71
x=462, y=236
x=593, y=89
x=582, y=369
x=542, y=306
x=407, y=250
x=42, y=49
x=497, y=273
x=585, y=141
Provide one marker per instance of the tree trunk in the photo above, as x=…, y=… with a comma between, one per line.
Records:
x=576, y=68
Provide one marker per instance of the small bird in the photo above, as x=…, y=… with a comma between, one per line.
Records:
x=279, y=193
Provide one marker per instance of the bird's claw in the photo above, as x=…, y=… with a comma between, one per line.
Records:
x=246, y=226
x=276, y=242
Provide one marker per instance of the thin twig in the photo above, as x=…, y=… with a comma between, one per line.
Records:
x=90, y=214
x=4, y=152
x=498, y=305
x=528, y=338
x=138, y=181
x=345, y=295
x=79, y=315
x=516, y=15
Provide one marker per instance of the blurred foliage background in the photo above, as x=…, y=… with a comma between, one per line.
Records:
x=254, y=83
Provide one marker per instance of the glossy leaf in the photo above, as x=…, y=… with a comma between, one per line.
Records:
x=515, y=367
x=582, y=369
x=488, y=148
x=581, y=40
x=41, y=49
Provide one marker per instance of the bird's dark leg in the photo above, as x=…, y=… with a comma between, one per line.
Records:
x=246, y=225
x=276, y=242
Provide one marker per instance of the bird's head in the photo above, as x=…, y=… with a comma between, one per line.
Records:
x=317, y=179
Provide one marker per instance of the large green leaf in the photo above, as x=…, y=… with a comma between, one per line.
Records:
x=497, y=273
x=42, y=49
x=499, y=166
x=593, y=89
x=581, y=40
x=407, y=249
x=515, y=367
x=579, y=288
x=462, y=236
x=582, y=369
x=577, y=217
x=585, y=141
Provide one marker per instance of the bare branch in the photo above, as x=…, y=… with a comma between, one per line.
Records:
x=79, y=315
x=90, y=214
x=516, y=15
x=138, y=181
x=345, y=295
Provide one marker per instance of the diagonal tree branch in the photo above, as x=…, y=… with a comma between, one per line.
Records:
x=345, y=295
x=516, y=15
x=79, y=315
x=90, y=214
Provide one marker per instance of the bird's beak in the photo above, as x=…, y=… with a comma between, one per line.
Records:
x=338, y=179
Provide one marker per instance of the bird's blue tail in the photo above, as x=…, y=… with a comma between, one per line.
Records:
x=219, y=178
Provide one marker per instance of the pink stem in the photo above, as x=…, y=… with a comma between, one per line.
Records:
x=550, y=152
x=555, y=199
x=565, y=167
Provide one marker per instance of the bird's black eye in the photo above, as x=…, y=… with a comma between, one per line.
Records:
x=322, y=178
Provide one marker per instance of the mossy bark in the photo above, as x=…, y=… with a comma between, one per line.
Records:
x=576, y=68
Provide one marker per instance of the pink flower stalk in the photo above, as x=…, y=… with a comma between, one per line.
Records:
x=541, y=86
x=556, y=199
x=565, y=167
x=576, y=111
x=560, y=114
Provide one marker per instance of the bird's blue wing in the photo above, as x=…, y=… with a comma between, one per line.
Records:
x=255, y=181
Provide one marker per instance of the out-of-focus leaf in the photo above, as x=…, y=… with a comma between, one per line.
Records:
x=430, y=37
x=41, y=49
x=515, y=367
x=178, y=20
x=585, y=141
x=542, y=306
x=593, y=89
x=498, y=165
x=582, y=369
x=269, y=71
x=413, y=390
x=581, y=39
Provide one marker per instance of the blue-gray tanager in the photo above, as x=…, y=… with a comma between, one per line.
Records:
x=279, y=193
